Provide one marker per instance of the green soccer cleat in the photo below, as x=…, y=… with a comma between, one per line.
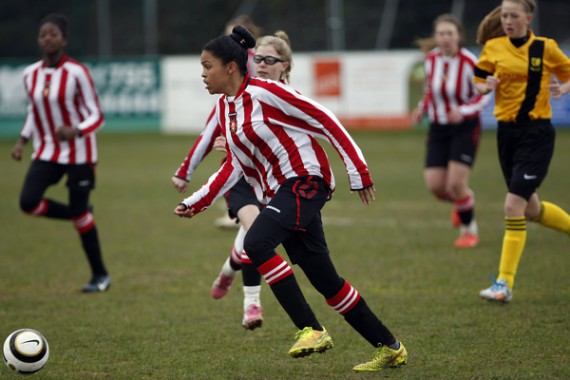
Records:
x=385, y=357
x=308, y=341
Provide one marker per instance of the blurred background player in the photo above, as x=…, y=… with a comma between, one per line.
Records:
x=525, y=136
x=270, y=131
x=453, y=106
x=63, y=116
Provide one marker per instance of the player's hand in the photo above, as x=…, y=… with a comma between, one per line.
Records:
x=183, y=211
x=417, y=115
x=557, y=89
x=492, y=82
x=179, y=184
x=367, y=195
x=220, y=144
x=17, y=151
x=455, y=117
x=66, y=133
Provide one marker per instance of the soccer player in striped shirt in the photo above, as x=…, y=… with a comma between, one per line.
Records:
x=272, y=60
x=63, y=116
x=453, y=106
x=518, y=66
x=271, y=135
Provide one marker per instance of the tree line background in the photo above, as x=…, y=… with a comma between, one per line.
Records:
x=184, y=26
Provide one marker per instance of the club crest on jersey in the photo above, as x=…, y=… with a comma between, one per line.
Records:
x=233, y=122
x=535, y=64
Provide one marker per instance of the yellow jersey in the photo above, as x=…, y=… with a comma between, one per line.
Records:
x=523, y=72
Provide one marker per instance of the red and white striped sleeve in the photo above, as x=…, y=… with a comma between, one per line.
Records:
x=318, y=121
x=201, y=148
x=29, y=125
x=92, y=117
x=475, y=105
x=476, y=102
x=427, y=99
x=218, y=184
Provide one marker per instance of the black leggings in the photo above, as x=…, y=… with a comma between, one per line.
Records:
x=42, y=174
x=303, y=248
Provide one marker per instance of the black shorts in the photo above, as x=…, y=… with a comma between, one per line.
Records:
x=453, y=142
x=525, y=152
x=240, y=195
x=43, y=174
x=297, y=207
x=297, y=201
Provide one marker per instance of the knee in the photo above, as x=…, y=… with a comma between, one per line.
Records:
x=512, y=210
x=28, y=204
x=519, y=204
x=259, y=250
x=253, y=245
x=435, y=187
x=532, y=214
x=456, y=189
x=442, y=194
x=75, y=211
x=515, y=209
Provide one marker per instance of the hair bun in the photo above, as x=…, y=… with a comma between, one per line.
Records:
x=243, y=37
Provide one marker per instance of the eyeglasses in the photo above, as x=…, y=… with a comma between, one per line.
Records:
x=267, y=59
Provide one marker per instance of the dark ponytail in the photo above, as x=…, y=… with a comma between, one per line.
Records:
x=233, y=47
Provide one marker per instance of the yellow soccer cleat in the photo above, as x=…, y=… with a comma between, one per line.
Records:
x=385, y=357
x=308, y=341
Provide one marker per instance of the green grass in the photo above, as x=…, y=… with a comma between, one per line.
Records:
x=159, y=322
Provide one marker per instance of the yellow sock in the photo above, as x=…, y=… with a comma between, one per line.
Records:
x=554, y=217
x=513, y=246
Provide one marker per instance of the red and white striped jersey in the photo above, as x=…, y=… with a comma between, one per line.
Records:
x=449, y=86
x=271, y=134
x=201, y=147
x=62, y=95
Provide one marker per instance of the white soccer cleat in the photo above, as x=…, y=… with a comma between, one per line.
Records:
x=498, y=292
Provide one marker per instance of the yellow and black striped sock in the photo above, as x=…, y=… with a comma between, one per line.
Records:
x=513, y=246
x=554, y=217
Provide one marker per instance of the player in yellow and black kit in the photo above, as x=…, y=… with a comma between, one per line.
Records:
x=518, y=66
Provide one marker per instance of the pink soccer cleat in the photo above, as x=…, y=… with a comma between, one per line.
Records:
x=221, y=286
x=252, y=317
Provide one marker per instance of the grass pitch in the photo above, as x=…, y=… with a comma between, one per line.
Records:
x=159, y=322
